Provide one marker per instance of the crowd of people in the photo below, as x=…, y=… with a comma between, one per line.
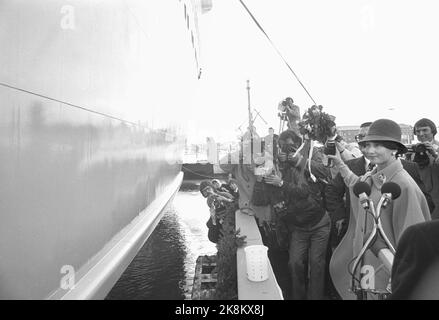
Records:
x=330, y=213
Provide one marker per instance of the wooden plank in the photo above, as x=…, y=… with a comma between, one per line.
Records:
x=205, y=278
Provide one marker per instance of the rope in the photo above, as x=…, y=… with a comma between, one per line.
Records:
x=67, y=103
x=277, y=50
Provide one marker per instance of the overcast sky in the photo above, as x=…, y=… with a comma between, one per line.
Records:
x=361, y=59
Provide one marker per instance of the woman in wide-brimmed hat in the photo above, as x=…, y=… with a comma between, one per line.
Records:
x=382, y=147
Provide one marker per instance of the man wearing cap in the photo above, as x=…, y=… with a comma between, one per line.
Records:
x=425, y=131
x=382, y=145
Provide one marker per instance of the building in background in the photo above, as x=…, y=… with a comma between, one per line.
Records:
x=348, y=132
x=407, y=135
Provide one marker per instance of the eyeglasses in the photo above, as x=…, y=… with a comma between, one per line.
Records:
x=359, y=137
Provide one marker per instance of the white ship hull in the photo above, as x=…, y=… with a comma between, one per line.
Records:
x=89, y=143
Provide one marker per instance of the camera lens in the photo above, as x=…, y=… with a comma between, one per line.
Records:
x=330, y=148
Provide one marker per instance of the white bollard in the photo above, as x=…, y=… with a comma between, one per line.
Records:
x=257, y=262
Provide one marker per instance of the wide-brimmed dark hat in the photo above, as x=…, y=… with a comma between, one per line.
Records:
x=385, y=130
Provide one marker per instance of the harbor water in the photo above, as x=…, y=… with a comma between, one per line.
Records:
x=164, y=268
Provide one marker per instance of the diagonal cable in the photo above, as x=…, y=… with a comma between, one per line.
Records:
x=277, y=50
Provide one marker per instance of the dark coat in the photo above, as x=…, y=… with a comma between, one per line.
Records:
x=304, y=197
x=415, y=271
x=415, y=172
x=336, y=190
x=215, y=231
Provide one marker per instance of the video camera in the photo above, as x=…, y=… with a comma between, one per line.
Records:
x=288, y=111
x=330, y=148
x=287, y=102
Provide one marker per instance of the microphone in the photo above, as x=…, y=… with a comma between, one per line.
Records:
x=362, y=190
x=391, y=191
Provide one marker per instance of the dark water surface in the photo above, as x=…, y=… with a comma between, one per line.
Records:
x=166, y=263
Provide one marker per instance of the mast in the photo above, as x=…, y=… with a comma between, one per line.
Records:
x=250, y=116
x=250, y=121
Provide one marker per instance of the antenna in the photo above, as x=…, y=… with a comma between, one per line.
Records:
x=250, y=116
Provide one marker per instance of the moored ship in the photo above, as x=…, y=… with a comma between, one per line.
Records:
x=89, y=143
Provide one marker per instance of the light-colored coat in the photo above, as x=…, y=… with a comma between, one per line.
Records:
x=410, y=208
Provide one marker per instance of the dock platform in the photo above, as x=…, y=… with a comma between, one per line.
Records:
x=205, y=278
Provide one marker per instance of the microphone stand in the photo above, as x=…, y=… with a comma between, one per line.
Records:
x=377, y=229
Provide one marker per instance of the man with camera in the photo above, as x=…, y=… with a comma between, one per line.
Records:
x=306, y=219
x=216, y=200
x=289, y=112
x=425, y=130
x=426, y=155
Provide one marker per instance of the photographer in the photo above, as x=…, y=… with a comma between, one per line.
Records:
x=218, y=186
x=289, y=112
x=426, y=155
x=307, y=221
x=216, y=201
x=231, y=187
x=426, y=151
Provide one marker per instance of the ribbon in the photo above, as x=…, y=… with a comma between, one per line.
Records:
x=311, y=147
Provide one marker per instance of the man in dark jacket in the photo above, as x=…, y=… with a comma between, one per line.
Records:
x=337, y=194
x=428, y=161
x=306, y=218
x=415, y=270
